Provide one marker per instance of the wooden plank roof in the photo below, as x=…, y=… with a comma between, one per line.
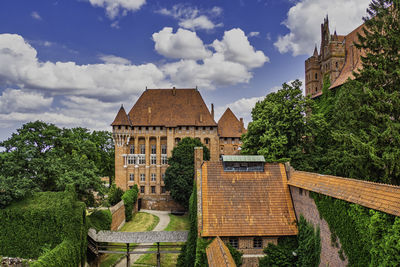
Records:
x=171, y=107
x=218, y=254
x=245, y=203
x=382, y=197
x=138, y=237
x=229, y=125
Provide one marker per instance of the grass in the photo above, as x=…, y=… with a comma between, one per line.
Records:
x=141, y=222
x=177, y=223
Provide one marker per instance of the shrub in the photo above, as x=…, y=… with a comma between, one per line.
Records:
x=114, y=195
x=129, y=198
x=99, y=220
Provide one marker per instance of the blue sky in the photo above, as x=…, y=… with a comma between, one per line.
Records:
x=74, y=62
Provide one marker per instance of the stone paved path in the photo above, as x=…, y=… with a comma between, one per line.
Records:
x=162, y=224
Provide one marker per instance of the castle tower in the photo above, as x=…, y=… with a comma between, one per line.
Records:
x=313, y=74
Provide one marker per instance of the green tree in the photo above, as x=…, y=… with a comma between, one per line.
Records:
x=180, y=173
x=278, y=125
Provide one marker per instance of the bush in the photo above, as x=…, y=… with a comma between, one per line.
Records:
x=236, y=254
x=99, y=220
x=114, y=195
x=129, y=198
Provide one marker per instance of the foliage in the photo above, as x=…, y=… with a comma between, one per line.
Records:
x=187, y=257
x=114, y=195
x=26, y=226
x=236, y=255
x=129, y=198
x=201, y=255
x=278, y=125
x=303, y=250
x=99, y=220
x=43, y=157
x=180, y=173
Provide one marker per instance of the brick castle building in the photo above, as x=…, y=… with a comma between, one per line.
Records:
x=337, y=59
x=144, y=139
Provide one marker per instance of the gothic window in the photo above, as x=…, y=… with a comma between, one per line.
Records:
x=163, y=149
x=153, y=159
x=207, y=141
x=142, y=177
x=153, y=149
x=142, y=149
x=142, y=189
x=316, y=76
x=164, y=159
x=153, y=189
x=163, y=190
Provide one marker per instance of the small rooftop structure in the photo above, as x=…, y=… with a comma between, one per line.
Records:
x=243, y=163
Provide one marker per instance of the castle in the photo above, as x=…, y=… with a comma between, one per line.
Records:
x=144, y=139
x=337, y=60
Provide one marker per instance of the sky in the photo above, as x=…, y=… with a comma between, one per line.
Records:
x=74, y=62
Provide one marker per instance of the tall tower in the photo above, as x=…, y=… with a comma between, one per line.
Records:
x=313, y=74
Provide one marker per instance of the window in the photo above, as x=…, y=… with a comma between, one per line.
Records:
x=221, y=148
x=337, y=65
x=234, y=242
x=163, y=190
x=131, y=160
x=163, y=176
x=233, y=140
x=153, y=189
x=163, y=149
x=142, y=149
x=207, y=141
x=153, y=149
x=142, y=189
x=130, y=187
x=257, y=242
x=153, y=177
x=153, y=159
x=301, y=191
x=164, y=159
x=142, y=159
x=142, y=177
x=131, y=177
x=132, y=150
x=316, y=76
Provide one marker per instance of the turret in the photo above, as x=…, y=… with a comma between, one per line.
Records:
x=121, y=128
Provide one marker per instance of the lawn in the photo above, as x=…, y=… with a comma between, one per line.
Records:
x=141, y=222
x=177, y=223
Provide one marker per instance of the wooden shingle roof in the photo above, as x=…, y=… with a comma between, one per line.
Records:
x=121, y=118
x=171, y=107
x=218, y=254
x=245, y=203
x=229, y=125
x=382, y=197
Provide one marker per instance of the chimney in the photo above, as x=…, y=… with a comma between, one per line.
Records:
x=173, y=91
x=212, y=110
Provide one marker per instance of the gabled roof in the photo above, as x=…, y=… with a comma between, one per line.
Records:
x=245, y=203
x=171, y=107
x=121, y=118
x=218, y=254
x=229, y=125
x=376, y=196
x=353, y=58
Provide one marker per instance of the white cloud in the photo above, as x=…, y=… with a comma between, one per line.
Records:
x=193, y=18
x=253, y=34
x=236, y=48
x=305, y=17
x=23, y=101
x=116, y=7
x=111, y=59
x=183, y=44
x=115, y=24
x=36, y=15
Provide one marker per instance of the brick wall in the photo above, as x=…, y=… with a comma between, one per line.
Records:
x=160, y=202
x=305, y=205
x=118, y=216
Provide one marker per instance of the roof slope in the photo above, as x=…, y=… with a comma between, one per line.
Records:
x=171, y=107
x=229, y=125
x=353, y=58
x=246, y=203
x=218, y=254
x=382, y=197
x=121, y=118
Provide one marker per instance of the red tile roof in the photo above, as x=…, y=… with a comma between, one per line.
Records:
x=229, y=125
x=376, y=196
x=121, y=118
x=245, y=203
x=171, y=107
x=218, y=254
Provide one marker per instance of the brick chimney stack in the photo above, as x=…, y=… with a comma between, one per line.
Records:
x=212, y=110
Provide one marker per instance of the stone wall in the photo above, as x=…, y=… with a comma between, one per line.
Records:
x=305, y=205
x=163, y=202
x=118, y=216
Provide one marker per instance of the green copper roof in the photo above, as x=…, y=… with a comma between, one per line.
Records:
x=243, y=158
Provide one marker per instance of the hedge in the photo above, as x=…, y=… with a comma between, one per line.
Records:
x=100, y=220
x=44, y=222
x=129, y=198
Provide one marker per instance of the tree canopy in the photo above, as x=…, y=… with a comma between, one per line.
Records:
x=180, y=173
x=43, y=157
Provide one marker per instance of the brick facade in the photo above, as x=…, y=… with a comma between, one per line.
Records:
x=305, y=205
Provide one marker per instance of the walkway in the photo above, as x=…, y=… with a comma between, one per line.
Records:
x=162, y=224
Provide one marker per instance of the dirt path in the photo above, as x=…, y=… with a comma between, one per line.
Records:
x=162, y=224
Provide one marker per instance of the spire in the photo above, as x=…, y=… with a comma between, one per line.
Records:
x=315, y=51
x=335, y=37
x=121, y=118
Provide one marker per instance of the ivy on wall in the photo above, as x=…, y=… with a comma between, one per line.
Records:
x=129, y=197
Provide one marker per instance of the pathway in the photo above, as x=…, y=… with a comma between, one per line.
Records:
x=162, y=224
